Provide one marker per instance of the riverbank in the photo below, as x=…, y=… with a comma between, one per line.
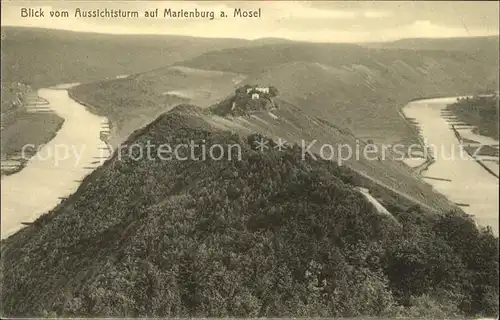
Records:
x=455, y=173
x=33, y=125
x=112, y=137
x=471, y=152
x=58, y=168
x=427, y=159
x=418, y=161
x=479, y=111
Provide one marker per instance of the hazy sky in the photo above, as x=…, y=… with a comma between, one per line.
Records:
x=328, y=21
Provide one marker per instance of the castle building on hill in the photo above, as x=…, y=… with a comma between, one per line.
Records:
x=260, y=89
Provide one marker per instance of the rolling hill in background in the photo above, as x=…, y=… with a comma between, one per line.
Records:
x=44, y=57
x=352, y=86
x=485, y=49
x=268, y=235
x=357, y=87
x=366, y=86
x=487, y=44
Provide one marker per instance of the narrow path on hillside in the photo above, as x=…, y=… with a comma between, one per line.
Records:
x=396, y=191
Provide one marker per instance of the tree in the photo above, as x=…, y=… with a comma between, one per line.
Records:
x=273, y=91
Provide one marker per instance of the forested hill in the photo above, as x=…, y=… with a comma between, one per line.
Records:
x=270, y=235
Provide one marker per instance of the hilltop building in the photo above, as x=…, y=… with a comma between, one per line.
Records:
x=260, y=89
x=248, y=99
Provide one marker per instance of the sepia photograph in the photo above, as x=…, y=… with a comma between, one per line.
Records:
x=249, y=159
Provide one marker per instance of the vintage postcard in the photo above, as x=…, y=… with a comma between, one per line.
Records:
x=249, y=159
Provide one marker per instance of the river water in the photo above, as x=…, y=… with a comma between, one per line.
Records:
x=470, y=183
x=58, y=167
